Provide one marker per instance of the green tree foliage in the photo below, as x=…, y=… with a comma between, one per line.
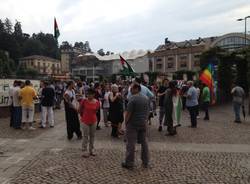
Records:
x=6, y=65
x=29, y=73
x=32, y=47
x=19, y=44
x=225, y=77
x=101, y=52
x=211, y=56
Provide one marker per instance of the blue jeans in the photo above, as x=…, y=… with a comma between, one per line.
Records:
x=236, y=107
x=17, y=117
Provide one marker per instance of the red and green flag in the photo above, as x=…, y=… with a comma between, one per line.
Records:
x=207, y=78
x=56, y=30
x=127, y=69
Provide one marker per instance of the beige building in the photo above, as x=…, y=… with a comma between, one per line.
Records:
x=44, y=65
x=175, y=56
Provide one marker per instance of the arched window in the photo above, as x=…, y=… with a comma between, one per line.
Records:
x=233, y=42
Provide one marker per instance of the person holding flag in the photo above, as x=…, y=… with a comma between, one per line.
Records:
x=206, y=77
x=205, y=97
x=173, y=108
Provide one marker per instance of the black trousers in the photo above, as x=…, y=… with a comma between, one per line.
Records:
x=114, y=132
x=98, y=115
x=205, y=107
x=193, y=114
x=11, y=115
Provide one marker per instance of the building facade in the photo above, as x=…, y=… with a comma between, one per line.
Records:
x=175, y=56
x=44, y=65
x=91, y=66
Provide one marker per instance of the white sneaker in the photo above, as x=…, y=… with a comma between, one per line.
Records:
x=32, y=128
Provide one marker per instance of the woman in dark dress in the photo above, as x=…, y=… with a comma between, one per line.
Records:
x=71, y=113
x=115, y=110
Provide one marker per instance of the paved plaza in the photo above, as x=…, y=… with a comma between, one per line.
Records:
x=217, y=151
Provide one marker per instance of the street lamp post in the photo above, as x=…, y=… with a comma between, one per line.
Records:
x=245, y=19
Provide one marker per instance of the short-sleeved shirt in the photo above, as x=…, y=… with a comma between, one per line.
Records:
x=206, y=94
x=27, y=94
x=48, y=96
x=88, y=115
x=144, y=91
x=16, y=99
x=238, y=94
x=10, y=102
x=138, y=106
x=106, y=100
x=162, y=89
x=192, y=97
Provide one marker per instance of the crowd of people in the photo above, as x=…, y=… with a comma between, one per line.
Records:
x=126, y=106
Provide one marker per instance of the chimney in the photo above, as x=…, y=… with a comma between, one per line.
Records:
x=166, y=41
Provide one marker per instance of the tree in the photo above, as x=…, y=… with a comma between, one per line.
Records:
x=8, y=26
x=225, y=77
x=101, y=52
x=242, y=69
x=27, y=73
x=79, y=45
x=18, y=32
x=87, y=47
x=1, y=27
x=49, y=44
x=211, y=56
x=5, y=64
x=32, y=47
x=66, y=45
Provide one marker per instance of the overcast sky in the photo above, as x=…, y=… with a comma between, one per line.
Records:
x=123, y=25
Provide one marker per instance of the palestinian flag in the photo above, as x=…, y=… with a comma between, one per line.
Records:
x=127, y=69
x=56, y=30
x=177, y=110
x=207, y=78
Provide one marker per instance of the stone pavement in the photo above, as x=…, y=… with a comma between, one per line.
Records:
x=216, y=152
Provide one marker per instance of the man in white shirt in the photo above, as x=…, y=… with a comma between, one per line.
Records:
x=17, y=109
x=10, y=103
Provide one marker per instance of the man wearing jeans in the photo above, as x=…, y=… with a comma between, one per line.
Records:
x=136, y=125
x=238, y=94
x=17, y=111
x=192, y=103
x=47, y=102
x=27, y=96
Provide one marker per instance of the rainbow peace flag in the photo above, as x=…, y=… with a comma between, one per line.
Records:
x=207, y=78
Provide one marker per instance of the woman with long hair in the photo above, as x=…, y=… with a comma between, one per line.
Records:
x=71, y=111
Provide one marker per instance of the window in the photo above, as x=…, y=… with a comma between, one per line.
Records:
x=32, y=63
x=159, y=60
x=197, y=63
x=183, y=57
x=197, y=56
x=158, y=66
x=183, y=64
x=170, y=59
x=170, y=65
